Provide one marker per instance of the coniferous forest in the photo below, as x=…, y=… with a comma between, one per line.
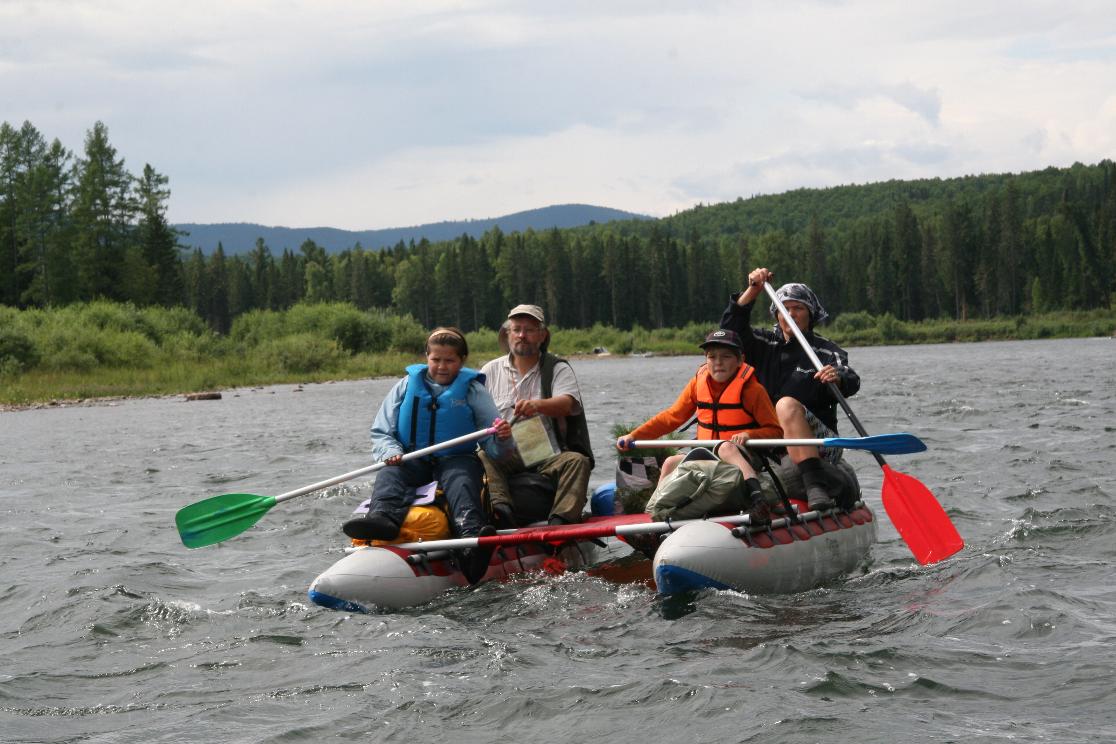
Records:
x=79, y=226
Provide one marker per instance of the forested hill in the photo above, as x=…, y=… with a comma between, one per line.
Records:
x=1036, y=193
x=240, y=237
x=78, y=226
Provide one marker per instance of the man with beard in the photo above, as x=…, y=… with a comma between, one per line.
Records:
x=531, y=382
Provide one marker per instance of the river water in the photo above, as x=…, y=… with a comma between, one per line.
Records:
x=112, y=631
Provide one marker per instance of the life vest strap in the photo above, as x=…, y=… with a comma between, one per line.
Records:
x=716, y=428
x=720, y=406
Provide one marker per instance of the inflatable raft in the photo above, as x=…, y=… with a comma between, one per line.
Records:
x=397, y=576
x=789, y=556
x=723, y=553
x=391, y=578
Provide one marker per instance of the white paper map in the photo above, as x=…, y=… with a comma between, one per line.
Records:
x=534, y=441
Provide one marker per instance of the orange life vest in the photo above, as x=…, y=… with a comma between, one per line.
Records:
x=722, y=416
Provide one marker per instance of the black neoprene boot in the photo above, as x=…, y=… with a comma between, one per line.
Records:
x=759, y=513
x=475, y=561
x=813, y=478
x=371, y=527
x=504, y=517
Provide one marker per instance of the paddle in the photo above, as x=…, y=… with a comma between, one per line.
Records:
x=221, y=517
x=565, y=532
x=918, y=517
x=888, y=444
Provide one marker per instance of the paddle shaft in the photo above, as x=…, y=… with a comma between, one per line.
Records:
x=464, y=439
x=561, y=533
x=711, y=442
x=900, y=443
x=819, y=366
x=918, y=517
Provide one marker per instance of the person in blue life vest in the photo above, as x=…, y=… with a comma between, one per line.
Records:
x=804, y=403
x=435, y=402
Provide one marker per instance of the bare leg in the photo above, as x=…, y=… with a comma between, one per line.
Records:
x=730, y=453
x=759, y=510
x=792, y=417
x=670, y=464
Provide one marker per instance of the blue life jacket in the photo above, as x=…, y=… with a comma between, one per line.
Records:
x=425, y=420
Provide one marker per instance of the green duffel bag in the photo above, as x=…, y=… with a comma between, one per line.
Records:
x=699, y=488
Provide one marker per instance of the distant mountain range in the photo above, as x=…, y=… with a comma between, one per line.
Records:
x=240, y=237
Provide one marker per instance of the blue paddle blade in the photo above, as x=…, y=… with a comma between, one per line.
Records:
x=882, y=444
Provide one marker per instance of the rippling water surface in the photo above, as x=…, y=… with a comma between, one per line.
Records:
x=111, y=631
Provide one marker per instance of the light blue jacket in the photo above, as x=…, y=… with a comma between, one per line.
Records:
x=384, y=443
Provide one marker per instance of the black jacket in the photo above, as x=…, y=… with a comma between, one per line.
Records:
x=784, y=369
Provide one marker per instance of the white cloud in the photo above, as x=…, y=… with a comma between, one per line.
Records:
x=365, y=115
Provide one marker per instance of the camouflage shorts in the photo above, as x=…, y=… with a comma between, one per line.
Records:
x=821, y=431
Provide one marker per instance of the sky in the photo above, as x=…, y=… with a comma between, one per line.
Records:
x=374, y=114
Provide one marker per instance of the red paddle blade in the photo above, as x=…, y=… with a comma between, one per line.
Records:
x=919, y=518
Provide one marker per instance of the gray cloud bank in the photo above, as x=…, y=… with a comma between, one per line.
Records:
x=361, y=115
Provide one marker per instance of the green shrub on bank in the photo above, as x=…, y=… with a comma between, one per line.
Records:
x=194, y=347
x=17, y=351
x=85, y=336
x=846, y=323
x=156, y=323
x=85, y=348
x=300, y=353
x=256, y=326
x=683, y=340
x=353, y=330
x=407, y=334
x=483, y=344
x=862, y=329
x=104, y=348
x=356, y=331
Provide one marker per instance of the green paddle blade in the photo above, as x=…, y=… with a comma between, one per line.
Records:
x=219, y=518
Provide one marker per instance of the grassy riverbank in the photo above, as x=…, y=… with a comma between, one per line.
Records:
x=104, y=349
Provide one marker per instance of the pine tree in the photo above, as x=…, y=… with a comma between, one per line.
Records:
x=41, y=221
x=158, y=242
x=102, y=212
x=217, y=279
x=908, y=263
x=1013, y=254
x=197, y=284
x=262, y=273
x=556, y=277
x=10, y=289
x=318, y=287
x=658, y=280
x=958, y=256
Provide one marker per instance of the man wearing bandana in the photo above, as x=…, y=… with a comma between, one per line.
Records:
x=804, y=404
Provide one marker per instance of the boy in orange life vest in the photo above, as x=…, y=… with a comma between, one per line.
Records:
x=731, y=405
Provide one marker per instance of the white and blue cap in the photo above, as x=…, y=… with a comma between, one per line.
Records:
x=801, y=293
